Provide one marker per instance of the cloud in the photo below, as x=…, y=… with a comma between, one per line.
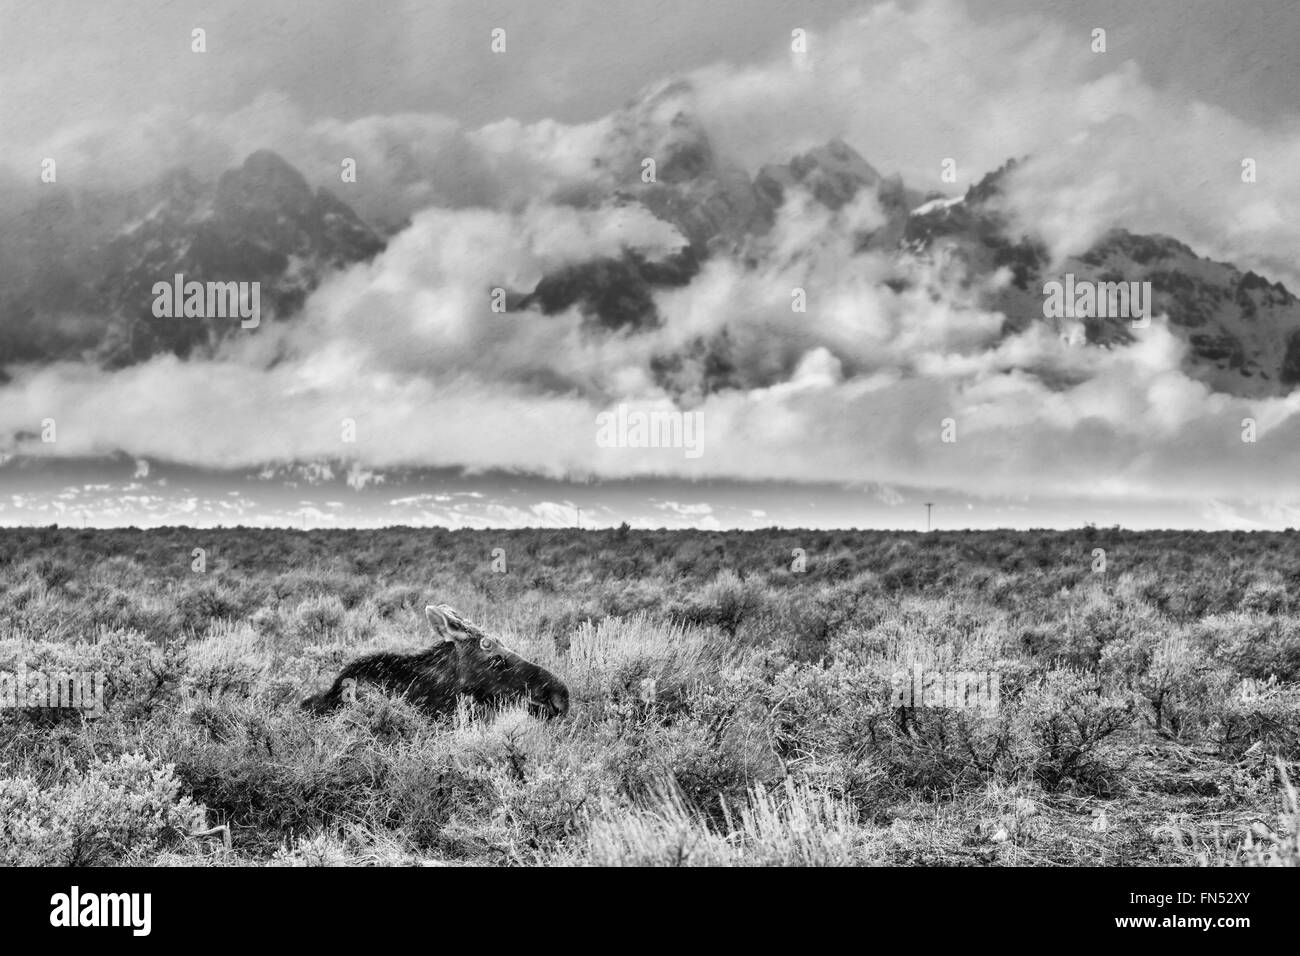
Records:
x=911, y=86
x=855, y=390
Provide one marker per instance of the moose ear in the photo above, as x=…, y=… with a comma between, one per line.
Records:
x=440, y=622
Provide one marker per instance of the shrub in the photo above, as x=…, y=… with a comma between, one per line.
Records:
x=320, y=617
x=1174, y=678
x=1265, y=597
x=1255, y=645
x=1061, y=722
x=723, y=603
x=129, y=807
x=228, y=661
x=399, y=597
x=792, y=825
x=611, y=661
x=199, y=606
x=1269, y=719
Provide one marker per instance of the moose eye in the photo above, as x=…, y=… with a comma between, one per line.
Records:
x=485, y=643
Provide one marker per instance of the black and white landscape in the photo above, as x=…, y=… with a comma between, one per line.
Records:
x=458, y=251
x=674, y=396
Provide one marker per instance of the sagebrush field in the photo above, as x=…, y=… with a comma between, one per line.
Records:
x=726, y=709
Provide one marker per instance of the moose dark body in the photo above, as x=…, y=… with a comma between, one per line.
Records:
x=467, y=662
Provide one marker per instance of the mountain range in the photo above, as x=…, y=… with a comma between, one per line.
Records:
x=77, y=267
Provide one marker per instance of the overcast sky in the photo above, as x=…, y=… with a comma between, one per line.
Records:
x=65, y=62
x=477, y=147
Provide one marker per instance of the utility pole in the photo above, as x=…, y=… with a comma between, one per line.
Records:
x=579, y=519
x=928, y=506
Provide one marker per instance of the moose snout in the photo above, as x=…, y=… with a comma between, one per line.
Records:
x=559, y=702
x=552, y=701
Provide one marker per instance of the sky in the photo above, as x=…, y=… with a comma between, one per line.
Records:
x=836, y=419
x=66, y=61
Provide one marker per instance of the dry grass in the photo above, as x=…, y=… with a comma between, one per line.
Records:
x=719, y=717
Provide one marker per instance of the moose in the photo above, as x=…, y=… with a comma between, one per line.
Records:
x=465, y=661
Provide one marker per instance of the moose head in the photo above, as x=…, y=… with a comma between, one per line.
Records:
x=488, y=671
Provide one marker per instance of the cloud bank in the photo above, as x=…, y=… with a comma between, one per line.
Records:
x=856, y=389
